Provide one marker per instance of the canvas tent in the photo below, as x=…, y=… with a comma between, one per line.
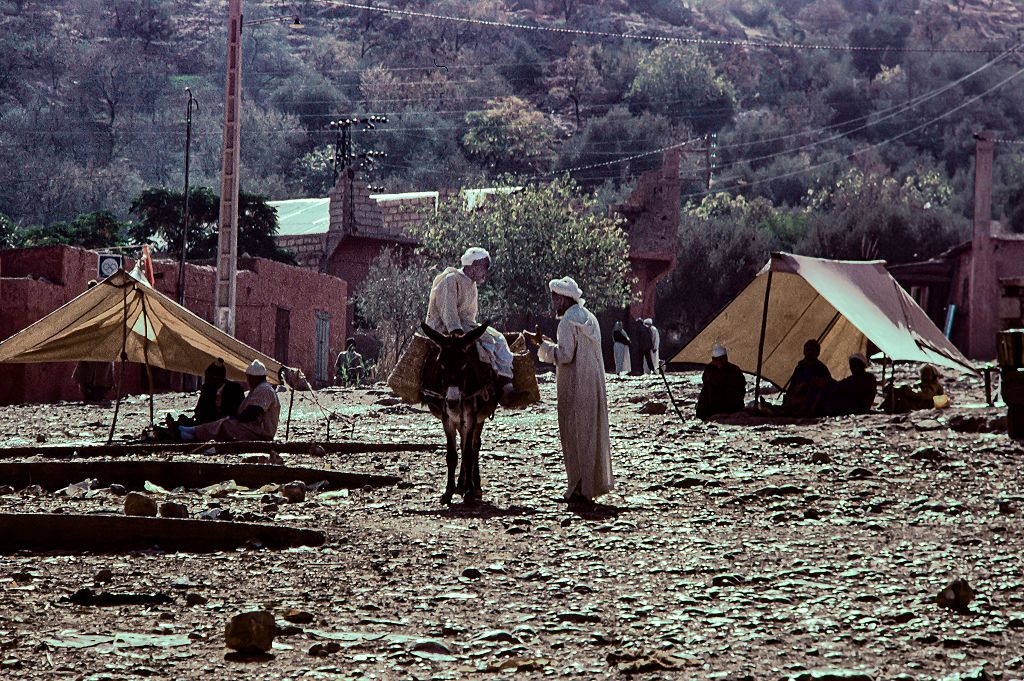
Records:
x=123, y=312
x=842, y=304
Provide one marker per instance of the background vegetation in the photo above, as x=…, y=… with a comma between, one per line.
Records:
x=817, y=150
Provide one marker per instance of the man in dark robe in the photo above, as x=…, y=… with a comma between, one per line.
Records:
x=809, y=380
x=852, y=395
x=723, y=386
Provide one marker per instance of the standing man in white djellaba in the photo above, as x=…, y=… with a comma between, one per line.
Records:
x=453, y=308
x=582, y=402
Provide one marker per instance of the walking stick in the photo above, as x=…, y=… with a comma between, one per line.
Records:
x=668, y=389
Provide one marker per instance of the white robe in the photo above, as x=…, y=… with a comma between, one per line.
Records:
x=623, y=363
x=454, y=305
x=582, y=403
x=656, y=352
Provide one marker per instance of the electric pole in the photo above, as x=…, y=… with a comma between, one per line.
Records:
x=227, y=231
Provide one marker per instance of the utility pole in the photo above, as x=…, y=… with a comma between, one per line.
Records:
x=184, y=223
x=345, y=158
x=227, y=236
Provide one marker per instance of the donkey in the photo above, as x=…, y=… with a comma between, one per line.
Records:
x=464, y=398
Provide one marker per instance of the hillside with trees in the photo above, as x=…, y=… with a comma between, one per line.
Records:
x=808, y=102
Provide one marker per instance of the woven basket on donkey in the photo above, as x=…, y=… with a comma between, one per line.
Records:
x=406, y=378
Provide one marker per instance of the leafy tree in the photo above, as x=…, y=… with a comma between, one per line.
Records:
x=89, y=230
x=576, y=78
x=508, y=136
x=393, y=302
x=160, y=219
x=882, y=30
x=681, y=83
x=534, y=235
x=10, y=236
x=144, y=20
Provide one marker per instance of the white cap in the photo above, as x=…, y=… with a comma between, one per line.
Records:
x=719, y=351
x=859, y=356
x=649, y=322
x=257, y=368
x=473, y=254
x=566, y=286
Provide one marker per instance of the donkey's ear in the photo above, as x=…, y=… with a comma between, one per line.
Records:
x=474, y=335
x=437, y=338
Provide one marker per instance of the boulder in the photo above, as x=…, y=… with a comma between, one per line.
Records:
x=251, y=632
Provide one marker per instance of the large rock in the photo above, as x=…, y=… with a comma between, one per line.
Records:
x=294, y=492
x=172, y=509
x=956, y=596
x=139, y=504
x=251, y=632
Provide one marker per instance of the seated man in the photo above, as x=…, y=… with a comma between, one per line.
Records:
x=257, y=416
x=218, y=397
x=349, y=366
x=922, y=396
x=852, y=395
x=723, y=386
x=452, y=310
x=809, y=379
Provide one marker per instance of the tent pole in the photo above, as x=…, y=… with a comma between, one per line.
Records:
x=288, y=425
x=145, y=356
x=124, y=358
x=760, y=343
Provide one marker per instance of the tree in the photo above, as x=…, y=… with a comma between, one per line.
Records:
x=681, y=83
x=160, y=220
x=534, y=235
x=576, y=78
x=508, y=136
x=393, y=302
x=99, y=229
x=10, y=236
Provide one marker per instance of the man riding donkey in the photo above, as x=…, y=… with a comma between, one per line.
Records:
x=452, y=310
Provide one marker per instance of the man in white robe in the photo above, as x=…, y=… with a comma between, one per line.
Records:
x=582, y=402
x=655, y=343
x=453, y=309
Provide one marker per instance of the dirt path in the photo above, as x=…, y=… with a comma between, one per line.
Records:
x=725, y=552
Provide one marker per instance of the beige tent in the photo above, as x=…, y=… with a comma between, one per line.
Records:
x=842, y=304
x=122, y=312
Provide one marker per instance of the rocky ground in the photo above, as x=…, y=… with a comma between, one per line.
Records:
x=726, y=552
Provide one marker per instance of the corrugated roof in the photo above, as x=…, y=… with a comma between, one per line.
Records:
x=296, y=217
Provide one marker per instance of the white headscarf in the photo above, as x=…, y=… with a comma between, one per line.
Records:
x=257, y=368
x=567, y=286
x=719, y=351
x=473, y=254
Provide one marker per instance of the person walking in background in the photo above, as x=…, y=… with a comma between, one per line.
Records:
x=655, y=343
x=645, y=344
x=620, y=348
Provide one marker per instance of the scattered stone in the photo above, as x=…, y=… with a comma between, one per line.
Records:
x=5, y=490
x=792, y=441
x=860, y=473
x=294, y=492
x=726, y=580
x=171, y=509
x=577, y=617
x=831, y=675
x=317, y=450
x=324, y=649
x=640, y=662
x=928, y=454
x=118, y=490
x=194, y=599
x=296, y=616
x=821, y=458
x=1005, y=507
x=215, y=514
x=653, y=408
x=251, y=632
x=139, y=504
x=103, y=576
x=472, y=573
x=956, y=596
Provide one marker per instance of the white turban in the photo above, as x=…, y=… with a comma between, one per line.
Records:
x=473, y=254
x=566, y=286
x=257, y=368
x=719, y=351
x=649, y=322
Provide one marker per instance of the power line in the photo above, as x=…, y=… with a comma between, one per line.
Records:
x=862, y=150
x=709, y=42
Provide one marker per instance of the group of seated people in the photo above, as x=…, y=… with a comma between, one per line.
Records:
x=225, y=413
x=812, y=391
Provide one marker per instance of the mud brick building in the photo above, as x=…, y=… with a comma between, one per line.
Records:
x=293, y=314
x=976, y=288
